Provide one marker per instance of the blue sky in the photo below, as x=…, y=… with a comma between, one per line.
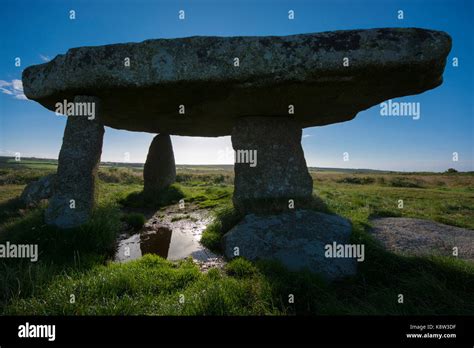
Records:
x=37, y=31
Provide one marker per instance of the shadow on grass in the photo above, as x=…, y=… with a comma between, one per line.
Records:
x=10, y=209
x=278, y=205
x=317, y=204
x=59, y=250
x=58, y=245
x=376, y=213
x=153, y=201
x=430, y=285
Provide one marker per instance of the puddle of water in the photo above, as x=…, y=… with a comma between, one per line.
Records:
x=169, y=239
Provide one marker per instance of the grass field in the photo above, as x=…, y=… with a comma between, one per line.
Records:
x=74, y=274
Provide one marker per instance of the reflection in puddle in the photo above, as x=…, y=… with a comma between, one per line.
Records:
x=168, y=237
x=147, y=242
x=156, y=243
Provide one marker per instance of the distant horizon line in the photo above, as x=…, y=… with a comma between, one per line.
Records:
x=232, y=165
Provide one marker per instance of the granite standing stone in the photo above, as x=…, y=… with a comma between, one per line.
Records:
x=75, y=194
x=160, y=170
x=272, y=169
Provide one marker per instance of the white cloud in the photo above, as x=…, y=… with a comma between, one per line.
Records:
x=306, y=135
x=7, y=152
x=13, y=88
x=44, y=58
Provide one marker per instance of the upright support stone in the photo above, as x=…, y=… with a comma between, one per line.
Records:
x=75, y=193
x=270, y=168
x=160, y=170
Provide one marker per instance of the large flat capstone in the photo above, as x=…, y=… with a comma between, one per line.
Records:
x=328, y=77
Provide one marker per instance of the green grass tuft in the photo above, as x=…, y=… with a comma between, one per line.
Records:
x=405, y=182
x=120, y=175
x=134, y=220
x=170, y=195
x=225, y=218
x=357, y=180
x=240, y=268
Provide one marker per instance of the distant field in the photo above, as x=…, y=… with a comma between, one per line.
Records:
x=78, y=262
x=446, y=198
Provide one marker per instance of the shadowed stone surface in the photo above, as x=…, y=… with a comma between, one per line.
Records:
x=279, y=172
x=423, y=237
x=296, y=239
x=159, y=171
x=77, y=170
x=303, y=70
x=38, y=190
